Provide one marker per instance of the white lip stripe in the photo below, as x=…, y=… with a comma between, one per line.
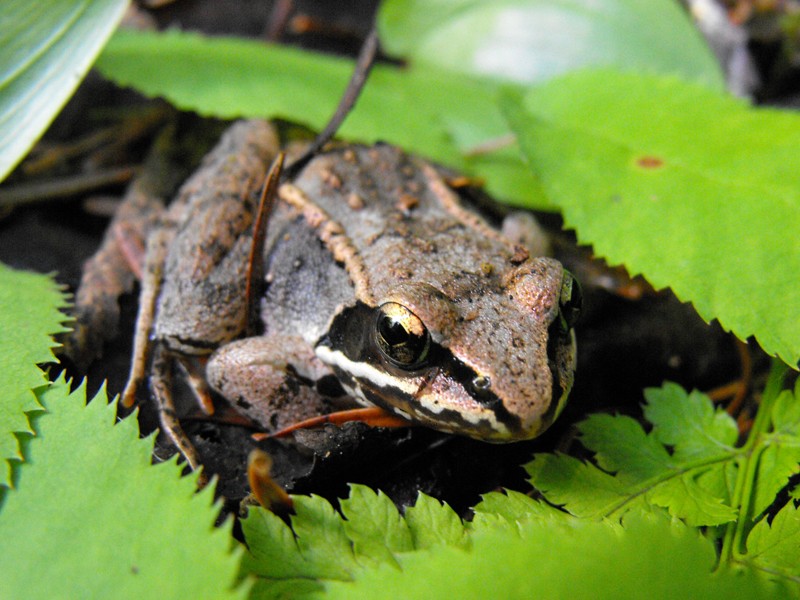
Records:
x=384, y=380
x=364, y=371
x=475, y=418
x=357, y=394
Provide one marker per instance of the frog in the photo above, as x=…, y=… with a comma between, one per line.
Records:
x=376, y=284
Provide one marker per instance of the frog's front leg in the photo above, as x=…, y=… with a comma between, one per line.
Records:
x=161, y=386
x=193, y=287
x=276, y=380
x=155, y=255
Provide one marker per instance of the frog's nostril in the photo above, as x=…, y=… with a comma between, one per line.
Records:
x=481, y=385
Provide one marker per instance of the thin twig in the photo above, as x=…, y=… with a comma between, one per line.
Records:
x=366, y=58
x=64, y=187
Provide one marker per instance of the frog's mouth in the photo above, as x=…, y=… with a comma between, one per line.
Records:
x=433, y=397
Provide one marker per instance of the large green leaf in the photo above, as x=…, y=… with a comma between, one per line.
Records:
x=529, y=41
x=48, y=46
x=429, y=107
x=518, y=548
x=92, y=518
x=29, y=313
x=693, y=189
x=649, y=557
x=436, y=114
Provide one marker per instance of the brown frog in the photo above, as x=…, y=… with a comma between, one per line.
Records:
x=378, y=285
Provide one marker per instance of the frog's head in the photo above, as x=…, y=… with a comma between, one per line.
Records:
x=495, y=363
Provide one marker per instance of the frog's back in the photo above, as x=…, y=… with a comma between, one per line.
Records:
x=390, y=218
x=416, y=303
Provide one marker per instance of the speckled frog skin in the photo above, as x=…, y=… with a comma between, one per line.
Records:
x=381, y=286
x=377, y=284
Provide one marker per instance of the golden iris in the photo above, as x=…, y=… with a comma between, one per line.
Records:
x=401, y=336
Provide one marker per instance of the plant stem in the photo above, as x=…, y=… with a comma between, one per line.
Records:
x=733, y=542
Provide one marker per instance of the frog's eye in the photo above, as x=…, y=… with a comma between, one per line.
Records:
x=401, y=336
x=570, y=301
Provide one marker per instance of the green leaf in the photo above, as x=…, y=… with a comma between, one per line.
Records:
x=689, y=464
x=316, y=547
x=91, y=517
x=529, y=548
x=695, y=190
x=29, y=313
x=510, y=509
x=426, y=109
x=274, y=558
x=224, y=77
x=415, y=109
x=687, y=497
x=273, y=549
x=690, y=478
x=775, y=547
x=529, y=41
x=785, y=415
x=47, y=48
x=565, y=559
x=514, y=507
x=322, y=539
x=322, y=546
x=695, y=431
x=434, y=523
x=375, y=527
x=794, y=493
x=581, y=488
x=622, y=446
x=779, y=458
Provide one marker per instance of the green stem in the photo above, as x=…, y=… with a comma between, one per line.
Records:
x=743, y=496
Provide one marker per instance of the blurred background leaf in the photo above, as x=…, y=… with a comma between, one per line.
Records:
x=48, y=46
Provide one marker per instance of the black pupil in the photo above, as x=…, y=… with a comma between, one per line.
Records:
x=401, y=346
x=393, y=331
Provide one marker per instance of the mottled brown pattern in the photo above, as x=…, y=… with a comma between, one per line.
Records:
x=357, y=228
x=412, y=241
